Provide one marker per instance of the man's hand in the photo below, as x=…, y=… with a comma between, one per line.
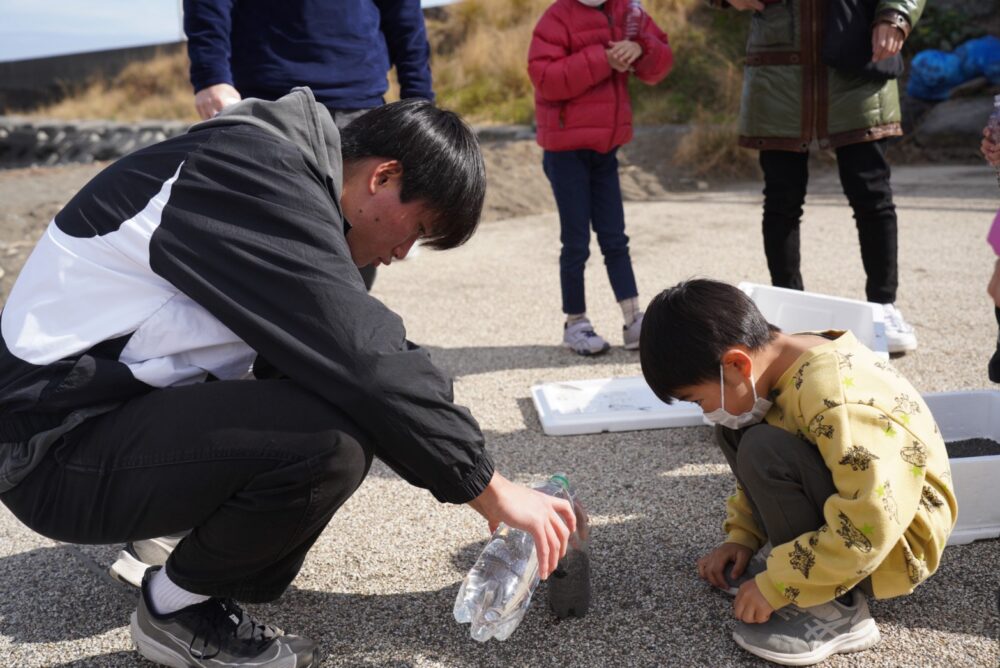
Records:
x=747, y=5
x=210, y=101
x=990, y=149
x=994, y=287
x=548, y=519
x=712, y=566
x=624, y=53
x=750, y=605
x=887, y=40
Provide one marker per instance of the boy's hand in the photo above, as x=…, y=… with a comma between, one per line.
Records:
x=750, y=605
x=210, y=101
x=712, y=566
x=991, y=150
x=617, y=64
x=887, y=40
x=625, y=51
x=747, y=5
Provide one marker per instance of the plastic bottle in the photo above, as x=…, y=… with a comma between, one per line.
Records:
x=633, y=19
x=993, y=126
x=569, y=584
x=496, y=593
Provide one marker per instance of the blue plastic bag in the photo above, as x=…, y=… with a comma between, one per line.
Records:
x=933, y=74
x=981, y=57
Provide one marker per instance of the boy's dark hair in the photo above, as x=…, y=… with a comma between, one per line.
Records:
x=688, y=327
x=442, y=163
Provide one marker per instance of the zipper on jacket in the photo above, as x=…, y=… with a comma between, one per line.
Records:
x=816, y=64
x=614, y=73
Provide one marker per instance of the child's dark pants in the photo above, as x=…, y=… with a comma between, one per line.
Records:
x=255, y=468
x=864, y=175
x=784, y=478
x=587, y=191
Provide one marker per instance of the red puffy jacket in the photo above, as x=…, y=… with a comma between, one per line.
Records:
x=580, y=102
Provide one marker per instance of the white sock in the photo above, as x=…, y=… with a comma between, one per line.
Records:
x=575, y=317
x=166, y=597
x=630, y=309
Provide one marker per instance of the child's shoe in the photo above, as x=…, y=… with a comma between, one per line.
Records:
x=899, y=335
x=631, y=333
x=797, y=636
x=580, y=337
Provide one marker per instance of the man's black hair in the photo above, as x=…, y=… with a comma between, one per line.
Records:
x=687, y=329
x=442, y=164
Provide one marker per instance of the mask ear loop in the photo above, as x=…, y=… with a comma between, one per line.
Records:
x=722, y=387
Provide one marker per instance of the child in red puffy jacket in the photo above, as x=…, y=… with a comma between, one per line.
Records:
x=579, y=63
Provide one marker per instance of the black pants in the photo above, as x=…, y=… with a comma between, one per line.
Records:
x=864, y=175
x=255, y=468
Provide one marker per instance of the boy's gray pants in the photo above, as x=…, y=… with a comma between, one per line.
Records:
x=784, y=478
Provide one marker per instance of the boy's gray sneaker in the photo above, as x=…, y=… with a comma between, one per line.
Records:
x=630, y=333
x=215, y=633
x=136, y=558
x=757, y=564
x=581, y=338
x=797, y=636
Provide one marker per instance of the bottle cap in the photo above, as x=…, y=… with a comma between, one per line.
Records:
x=561, y=479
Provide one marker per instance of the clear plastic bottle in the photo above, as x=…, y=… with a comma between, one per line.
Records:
x=633, y=19
x=993, y=126
x=496, y=593
x=569, y=584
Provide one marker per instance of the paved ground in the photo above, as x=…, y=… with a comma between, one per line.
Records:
x=379, y=587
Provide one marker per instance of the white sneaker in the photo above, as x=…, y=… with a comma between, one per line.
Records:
x=136, y=557
x=631, y=333
x=795, y=636
x=899, y=335
x=581, y=338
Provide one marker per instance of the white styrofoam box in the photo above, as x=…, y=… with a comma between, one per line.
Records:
x=607, y=404
x=798, y=311
x=976, y=480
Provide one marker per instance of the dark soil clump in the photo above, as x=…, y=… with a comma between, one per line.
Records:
x=973, y=447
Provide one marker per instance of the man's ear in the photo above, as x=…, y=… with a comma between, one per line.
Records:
x=739, y=359
x=384, y=173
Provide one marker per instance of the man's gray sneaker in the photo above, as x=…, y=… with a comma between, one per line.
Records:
x=136, y=558
x=215, y=633
x=630, y=333
x=757, y=564
x=797, y=636
x=581, y=338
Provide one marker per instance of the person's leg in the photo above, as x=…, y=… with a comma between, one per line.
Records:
x=786, y=174
x=864, y=175
x=783, y=477
x=256, y=468
x=608, y=219
x=569, y=174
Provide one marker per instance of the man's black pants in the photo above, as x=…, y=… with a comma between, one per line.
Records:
x=864, y=175
x=255, y=468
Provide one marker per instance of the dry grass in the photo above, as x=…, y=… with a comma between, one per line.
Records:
x=152, y=89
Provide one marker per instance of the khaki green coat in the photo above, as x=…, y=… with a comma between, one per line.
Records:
x=790, y=97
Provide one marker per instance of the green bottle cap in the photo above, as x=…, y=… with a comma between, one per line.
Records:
x=561, y=479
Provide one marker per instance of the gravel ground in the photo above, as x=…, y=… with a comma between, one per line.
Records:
x=379, y=586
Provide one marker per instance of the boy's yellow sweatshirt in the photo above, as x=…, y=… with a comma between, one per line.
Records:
x=895, y=505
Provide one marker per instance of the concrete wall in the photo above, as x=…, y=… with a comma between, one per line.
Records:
x=25, y=84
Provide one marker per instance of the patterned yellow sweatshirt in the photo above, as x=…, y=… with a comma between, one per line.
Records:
x=895, y=506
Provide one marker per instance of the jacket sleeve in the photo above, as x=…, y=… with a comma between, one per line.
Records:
x=251, y=234
x=207, y=24
x=903, y=14
x=558, y=74
x=739, y=526
x=657, y=58
x=877, y=468
x=402, y=24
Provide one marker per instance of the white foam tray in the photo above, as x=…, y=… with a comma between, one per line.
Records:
x=607, y=404
x=798, y=311
x=976, y=480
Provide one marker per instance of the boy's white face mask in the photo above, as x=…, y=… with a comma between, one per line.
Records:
x=724, y=418
x=592, y=3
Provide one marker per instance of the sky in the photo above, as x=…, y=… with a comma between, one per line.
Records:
x=39, y=28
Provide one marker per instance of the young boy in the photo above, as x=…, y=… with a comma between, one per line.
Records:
x=838, y=462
